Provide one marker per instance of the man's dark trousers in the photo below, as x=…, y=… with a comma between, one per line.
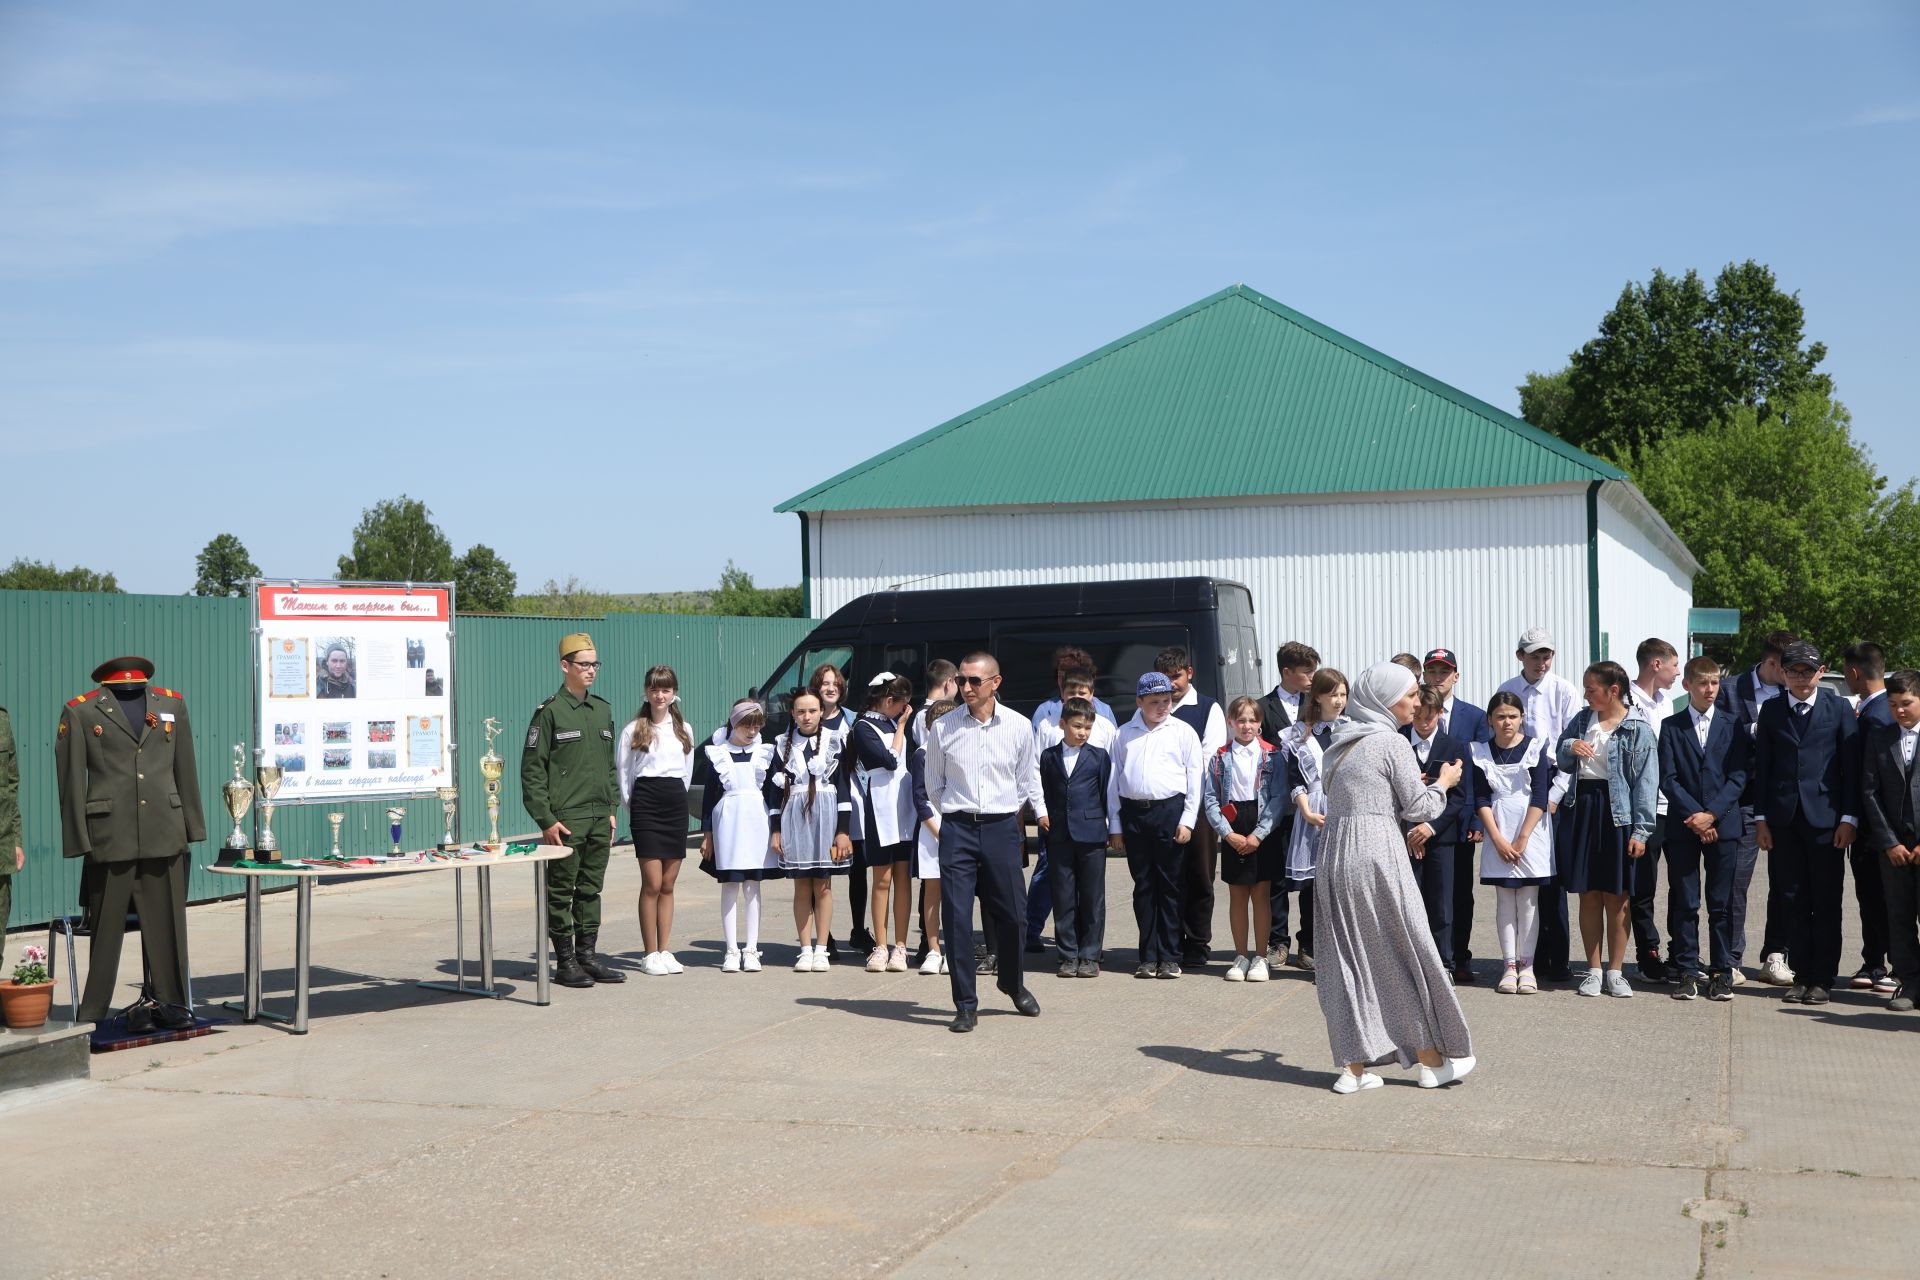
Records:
x=1155, y=858
x=1816, y=874
x=1435, y=874
x=981, y=854
x=1691, y=866
x=1645, y=873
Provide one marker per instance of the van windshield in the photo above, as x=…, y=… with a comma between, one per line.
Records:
x=778, y=695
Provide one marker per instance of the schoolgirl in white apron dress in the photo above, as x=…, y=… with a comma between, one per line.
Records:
x=734, y=817
x=1508, y=782
x=1304, y=753
x=808, y=787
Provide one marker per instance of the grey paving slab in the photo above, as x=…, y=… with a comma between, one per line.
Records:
x=1787, y=1226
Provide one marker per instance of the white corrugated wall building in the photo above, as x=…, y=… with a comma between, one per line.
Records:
x=1369, y=508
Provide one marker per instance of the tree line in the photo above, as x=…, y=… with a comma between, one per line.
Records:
x=397, y=540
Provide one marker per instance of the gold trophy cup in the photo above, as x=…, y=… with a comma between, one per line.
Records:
x=239, y=798
x=268, y=786
x=449, y=801
x=334, y=820
x=491, y=767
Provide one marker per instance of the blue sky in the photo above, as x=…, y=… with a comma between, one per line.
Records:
x=603, y=283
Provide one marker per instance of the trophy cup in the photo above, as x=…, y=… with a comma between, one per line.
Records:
x=449, y=801
x=334, y=820
x=394, y=816
x=491, y=767
x=268, y=786
x=239, y=798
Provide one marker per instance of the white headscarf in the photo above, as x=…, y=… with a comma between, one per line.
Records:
x=1368, y=711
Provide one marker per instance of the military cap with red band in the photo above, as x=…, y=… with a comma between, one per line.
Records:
x=123, y=671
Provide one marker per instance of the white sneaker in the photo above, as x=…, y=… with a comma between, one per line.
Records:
x=730, y=963
x=1351, y=1083
x=673, y=966
x=1590, y=984
x=897, y=960
x=821, y=959
x=934, y=963
x=749, y=962
x=805, y=963
x=1617, y=983
x=1774, y=971
x=1446, y=1073
x=1237, y=971
x=654, y=966
x=1737, y=978
x=1257, y=971
x=877, y=960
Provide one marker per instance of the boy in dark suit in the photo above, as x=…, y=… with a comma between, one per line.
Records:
x=1891, y=801
x=1073, y=778
x=1806, y=764
x=1743, y=696
x=1704, y=755
x=1466, y=724
x=1434, y=846
x=1865, y=667
x=1278, y=710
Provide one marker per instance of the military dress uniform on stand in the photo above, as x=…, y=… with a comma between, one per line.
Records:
x=568, y=775
x=130, y=806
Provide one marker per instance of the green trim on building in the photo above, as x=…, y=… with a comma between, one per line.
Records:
x=1593, y=570
x=1235, y=395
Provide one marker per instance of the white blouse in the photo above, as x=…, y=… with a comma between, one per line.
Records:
x=666, y=758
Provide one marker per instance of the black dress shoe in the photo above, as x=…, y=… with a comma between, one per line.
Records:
x=1556, y=973
x=963, y=1021
x=139, y=1019
x=860, y=940
x=1463, y=976
x=1654, y=969
x=1023, y=1001
x=173, y=1017
x=833, y=948
x=1796, y=994
x=1816, y=995
x=1036, y=947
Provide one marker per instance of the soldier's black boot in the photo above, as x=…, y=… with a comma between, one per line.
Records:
x=566, y=967
x=591, y=964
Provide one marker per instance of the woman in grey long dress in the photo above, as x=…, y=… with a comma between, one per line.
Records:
x=1383, y=987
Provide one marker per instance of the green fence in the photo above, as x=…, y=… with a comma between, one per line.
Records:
x=50, y=642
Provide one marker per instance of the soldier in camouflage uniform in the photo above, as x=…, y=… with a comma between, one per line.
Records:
x=571, y=789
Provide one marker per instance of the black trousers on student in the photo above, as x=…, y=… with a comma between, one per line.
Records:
x=1466, y=874
x=1902, y=890
x=1812, y=876
x=1646, y=882
x=1746, y=858
x=1278, y=939
x=1198, y=869
x=980, y=853
x=1435, y=875
x=1870, y=896
x=1079, y=875
x=1155, y=858
x=1686, y=858
x=1556, y=940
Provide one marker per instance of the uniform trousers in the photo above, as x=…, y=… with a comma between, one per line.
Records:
x=1466, y=874
x=156, y=888
x=1277, y=935
x=1645, y=882
x=1155, y=858
x=1078, y=872
x=1690, y=864
x=1198, y=867
x=980, y=855
x=1870, y=897
x=1436, y=875
x=1746, y=857
x=1040, y=892
x=1901, y=888
x=1555, y=938
x=1809, y=877
x=573, y=884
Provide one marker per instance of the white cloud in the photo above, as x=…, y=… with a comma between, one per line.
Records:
x=1888, y=115
x=60, y=67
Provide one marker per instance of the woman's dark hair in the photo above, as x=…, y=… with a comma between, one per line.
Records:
x=1612, y=675
x=898, y=687
x=1505, y=699
x=660, y=678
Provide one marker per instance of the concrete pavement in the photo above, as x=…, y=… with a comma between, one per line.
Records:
x=828, y=1124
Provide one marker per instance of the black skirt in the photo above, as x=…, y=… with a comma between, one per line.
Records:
x=1265, y=864
x=658, y=817
x=1596, y=857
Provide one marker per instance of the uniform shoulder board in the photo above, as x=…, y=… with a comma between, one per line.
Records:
x=74, y=702
x=544, y=701
x=165, y=693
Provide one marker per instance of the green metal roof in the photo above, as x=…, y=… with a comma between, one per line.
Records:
x=1241, y=396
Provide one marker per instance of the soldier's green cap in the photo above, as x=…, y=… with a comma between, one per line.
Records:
x=574, y=643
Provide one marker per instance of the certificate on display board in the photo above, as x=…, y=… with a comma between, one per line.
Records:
x=353, y=687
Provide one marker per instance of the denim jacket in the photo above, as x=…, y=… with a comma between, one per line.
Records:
x=1633, y=769
x=1268, y=783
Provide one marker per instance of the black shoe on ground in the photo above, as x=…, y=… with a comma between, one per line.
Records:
x=1720, y=987
x=566, y=968
x=1863, y=980
x=1146, y=970
x=1686, y=989
x=860, y=940
x=1069, y=968
x=1816, y=995
x=139, y=1018
x=833, y=948
x=173, y=1017
x=1796, y=994
x=590, y=963
x=1024, y=1002
x=963, y=1021
x=1555, y=973
x=1168, y=969
x=1091, y=969
x=1654, y=969
x=988, y=963
x=1902, y=1001
x=1035, y=946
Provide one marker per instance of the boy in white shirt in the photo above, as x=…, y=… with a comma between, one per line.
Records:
x=1153, y=802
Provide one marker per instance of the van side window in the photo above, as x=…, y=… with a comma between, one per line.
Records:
x=1121, y=653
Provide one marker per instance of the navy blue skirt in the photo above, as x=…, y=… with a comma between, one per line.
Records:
x=1595, y=860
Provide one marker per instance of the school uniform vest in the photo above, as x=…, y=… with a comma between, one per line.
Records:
x=1197, y=715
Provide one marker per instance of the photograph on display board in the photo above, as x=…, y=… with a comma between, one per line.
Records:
x=436, y=687
x=380, y=731
x=289, y=735
x=288, y=675
x=337, y=674
x=416, y=652
x=383, y=760
x=291, y=761
x=423, y=742
x=336, y=731
x=337, y=758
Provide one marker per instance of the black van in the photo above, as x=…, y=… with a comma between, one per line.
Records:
x=1123, y=625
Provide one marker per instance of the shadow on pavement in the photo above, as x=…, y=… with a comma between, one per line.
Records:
x=1241, y=1064
x=890, y=1010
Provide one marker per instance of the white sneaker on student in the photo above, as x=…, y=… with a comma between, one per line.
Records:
x=821, y=959
x=1257, y=969
x=1774, y=971
x=653, y=966
x=730, y=963
x=897, y=960
x=805, y=963
x=749, y=962
x=934, y=963
x=877, y=959
x=672, y=965
x=1237, y=971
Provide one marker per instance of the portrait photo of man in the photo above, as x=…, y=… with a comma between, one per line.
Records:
x=336, y=670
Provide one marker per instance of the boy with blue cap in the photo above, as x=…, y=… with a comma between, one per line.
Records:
x=1153, y=802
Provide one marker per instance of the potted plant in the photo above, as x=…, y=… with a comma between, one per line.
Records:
x=25, y=1000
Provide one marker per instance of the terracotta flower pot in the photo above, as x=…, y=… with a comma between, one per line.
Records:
x=25, y=1005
